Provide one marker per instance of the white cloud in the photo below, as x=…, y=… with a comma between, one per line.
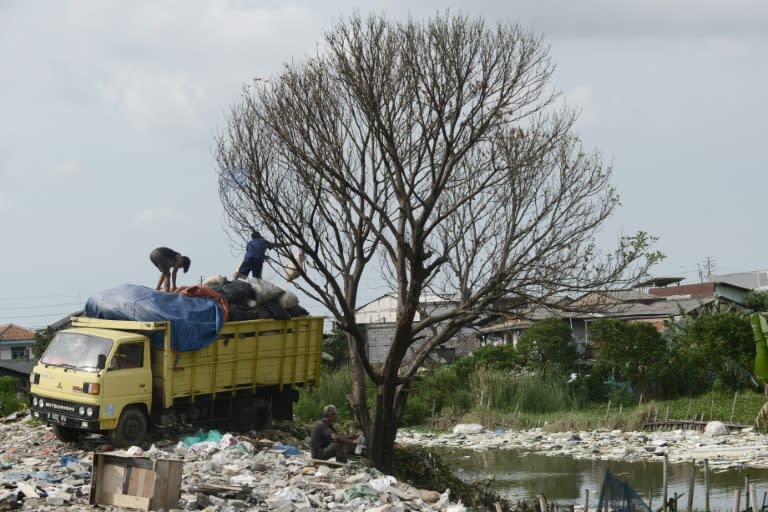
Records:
x=67, y=169
x=581, y=99
x=150, y=98
x=734, y=48
x=156, y=215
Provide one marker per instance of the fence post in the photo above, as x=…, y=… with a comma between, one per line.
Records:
x=664, y=483
x=706, y=485
x=691, y=485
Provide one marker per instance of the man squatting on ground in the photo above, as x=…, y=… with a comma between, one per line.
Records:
x=166, y=259
x=326, y=442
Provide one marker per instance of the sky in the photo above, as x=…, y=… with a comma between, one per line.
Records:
x=108, y=113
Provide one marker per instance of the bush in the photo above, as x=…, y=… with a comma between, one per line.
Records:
x=548, y=343
x=334, y=387
x=433, y=394
x=497, y=357
x=9, y=402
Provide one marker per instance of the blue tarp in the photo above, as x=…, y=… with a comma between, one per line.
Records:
x=195, y=321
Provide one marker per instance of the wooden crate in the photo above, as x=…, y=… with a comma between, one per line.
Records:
x=135, y=482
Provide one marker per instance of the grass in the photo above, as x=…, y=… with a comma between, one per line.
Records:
x=740, y=407
x=497, y=399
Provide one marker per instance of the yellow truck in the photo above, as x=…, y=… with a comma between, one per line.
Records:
x=122, y=377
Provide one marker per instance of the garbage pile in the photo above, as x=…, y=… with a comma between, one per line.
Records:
x=221, y=472
x=256, y=299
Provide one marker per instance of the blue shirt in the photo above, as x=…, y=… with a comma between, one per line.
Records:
x=257, y=248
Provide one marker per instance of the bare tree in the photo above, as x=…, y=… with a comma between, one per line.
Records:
x=432, y=154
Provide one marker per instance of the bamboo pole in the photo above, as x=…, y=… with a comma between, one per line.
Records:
x=586, y=500
x=691, y=485
x=664, y=483
x=706, y=485
x=746, y=493
x=733, y=407
x=753, y=494
x=736, y=500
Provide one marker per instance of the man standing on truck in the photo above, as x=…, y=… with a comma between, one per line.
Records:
x=326, y=442
x=166, y=259
x=255, y=254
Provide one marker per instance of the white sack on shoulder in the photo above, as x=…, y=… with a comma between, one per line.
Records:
x=265, y=291
x=293, y=270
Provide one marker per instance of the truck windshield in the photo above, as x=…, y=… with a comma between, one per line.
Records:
x=75, y=350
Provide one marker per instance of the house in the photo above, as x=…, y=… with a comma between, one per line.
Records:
x=754, y=280
x=16, y=358
x=377, y=320
x=727, y=292
x=656, y=301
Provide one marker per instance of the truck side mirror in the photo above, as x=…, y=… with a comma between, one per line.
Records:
x=101, y=361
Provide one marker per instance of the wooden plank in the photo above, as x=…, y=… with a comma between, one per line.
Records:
x=141, y=483
x=126, y=501
x=167, y=489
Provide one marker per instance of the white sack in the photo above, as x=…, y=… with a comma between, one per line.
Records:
x=293, y=270
x=467, y=428
x=216, y=280
x=288, y=300
x=265, y=291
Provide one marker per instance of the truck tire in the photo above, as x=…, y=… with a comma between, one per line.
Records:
x=262, y=419
x=253, y=414
x=65, y=434
x=131, y=429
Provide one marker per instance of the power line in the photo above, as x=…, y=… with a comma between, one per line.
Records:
x=62, y=304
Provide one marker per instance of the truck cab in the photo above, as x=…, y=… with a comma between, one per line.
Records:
x=94, y=380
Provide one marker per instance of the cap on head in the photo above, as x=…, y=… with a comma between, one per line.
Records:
x=329, y=409
x=255, y=234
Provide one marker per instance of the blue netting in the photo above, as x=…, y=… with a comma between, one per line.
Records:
x=617, y=496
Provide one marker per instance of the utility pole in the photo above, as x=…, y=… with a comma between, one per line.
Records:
x=708, y=269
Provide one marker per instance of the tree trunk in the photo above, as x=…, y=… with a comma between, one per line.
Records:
x=357, y=397
x=382, y=447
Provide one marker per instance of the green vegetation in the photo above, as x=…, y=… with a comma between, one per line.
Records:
x=9, y=402
x=548, y=344
x=500, y=399
x=697, y=369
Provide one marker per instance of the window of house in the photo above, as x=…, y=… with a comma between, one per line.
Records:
x=18, y=353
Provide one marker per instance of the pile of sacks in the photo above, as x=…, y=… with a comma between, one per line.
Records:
x=256, y=299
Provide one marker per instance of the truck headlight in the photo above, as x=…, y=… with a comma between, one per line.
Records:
x=34, y=401
x=41, y=403
x=89, y=412
x=81, y=411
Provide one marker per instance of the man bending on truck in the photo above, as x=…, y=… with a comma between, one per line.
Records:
x=326, y=442
x=165, y=260
x=255, y=254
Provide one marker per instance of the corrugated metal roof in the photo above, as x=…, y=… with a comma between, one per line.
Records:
x=625, y=311
x=756, y=279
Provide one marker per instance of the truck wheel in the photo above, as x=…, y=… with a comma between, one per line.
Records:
x=253, y=414
x=262, y=419
x=65, y=434
x=131, y=429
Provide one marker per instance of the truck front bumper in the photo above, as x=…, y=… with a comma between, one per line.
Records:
x=67, y=414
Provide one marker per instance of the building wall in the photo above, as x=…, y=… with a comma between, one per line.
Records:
x=379, y=337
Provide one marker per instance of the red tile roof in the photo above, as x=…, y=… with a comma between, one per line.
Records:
x=11, y=332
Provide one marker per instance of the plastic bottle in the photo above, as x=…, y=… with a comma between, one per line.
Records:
x=360, y=445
